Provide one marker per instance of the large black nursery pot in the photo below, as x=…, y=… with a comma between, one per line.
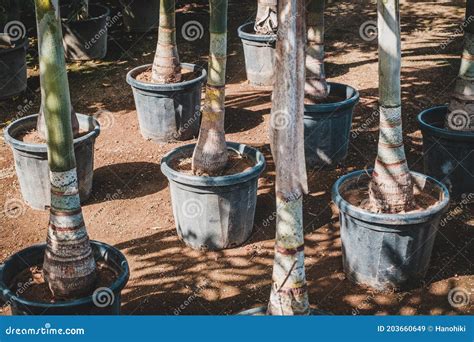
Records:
x=259, y=53
x=447, y=155
x=86, y=39
x=327, y=127
x=214, y=213
x=387, y=251
x=103, y=301
x=140, y=15
x=171, y=111
x=31, y=160
x=13, y=73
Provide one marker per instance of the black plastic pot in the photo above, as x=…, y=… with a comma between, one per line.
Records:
x=13, y=73
x=31, y=160
x=213, y=213
x=387, y=251
x=104, y=301
x=448, y=155
x=327, y=127
x=170, y=111
x=140, y=15
x=259, y=53
x=84, y=40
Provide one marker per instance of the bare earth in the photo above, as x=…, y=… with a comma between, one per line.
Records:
x=130, y=206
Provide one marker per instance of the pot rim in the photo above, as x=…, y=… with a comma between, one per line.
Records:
x=400, y=219
x=116, y=286
x=264, y=38
x=131, y=79
x=218, y=181
x=23, y=43
x=331, y=107
x=442, y=132
x=105, y=9
x=31, y=147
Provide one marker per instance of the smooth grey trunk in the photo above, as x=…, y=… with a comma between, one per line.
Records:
x=316, y=88
x=461, y=107
x=266, y=21
x=289, y=294
x=391, y=188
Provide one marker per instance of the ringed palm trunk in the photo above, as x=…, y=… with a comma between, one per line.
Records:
x=69, y=266
x=288, y=293
x=391, y=188
x=166, y=66
x=316, y=88
x=210, y=154
x=266, y=21
x=461, y=107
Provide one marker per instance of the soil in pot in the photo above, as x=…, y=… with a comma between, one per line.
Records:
x=186, y=75
x=331, y=98
x=31, y=136
x=31, y=285
x=236, y=163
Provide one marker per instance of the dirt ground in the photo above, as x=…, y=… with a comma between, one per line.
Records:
x=130, y=205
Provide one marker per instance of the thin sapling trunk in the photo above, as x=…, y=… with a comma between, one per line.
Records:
x=289, y=294
x=69, y=266
x=266, y=21
x=166, y=67
x=391, y=187
x=316, y=88
x=210, y=154
x=461, y=107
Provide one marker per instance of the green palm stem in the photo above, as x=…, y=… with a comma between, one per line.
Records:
x=316, y=88
x=69, y=266
x=391, y=187
x=289, y=294
x=210, y=154
x=461, y=107
x=266, y=21
x=166, y=67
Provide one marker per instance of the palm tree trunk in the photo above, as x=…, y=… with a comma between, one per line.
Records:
x=266, y=21
x=69, y=266
x=391, y=188
x=461, y=107
x=316, y=88
x=288, y=293
x=210, y=154
x=166, y=66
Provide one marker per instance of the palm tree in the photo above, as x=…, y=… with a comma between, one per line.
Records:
x=166, y=66
x=316, y=87
x=461, y=107
x=391, y=188
x=210, y=154
x=69, y=266
x=266, y=20
x=288, y=293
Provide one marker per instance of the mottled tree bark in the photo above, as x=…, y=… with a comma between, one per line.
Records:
x=391, y=187
x=166, y=66
x=461, y=107
x=316, y=88
x=266, y=21
x=210, y=154
x=69, y=266
x=289, y=293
